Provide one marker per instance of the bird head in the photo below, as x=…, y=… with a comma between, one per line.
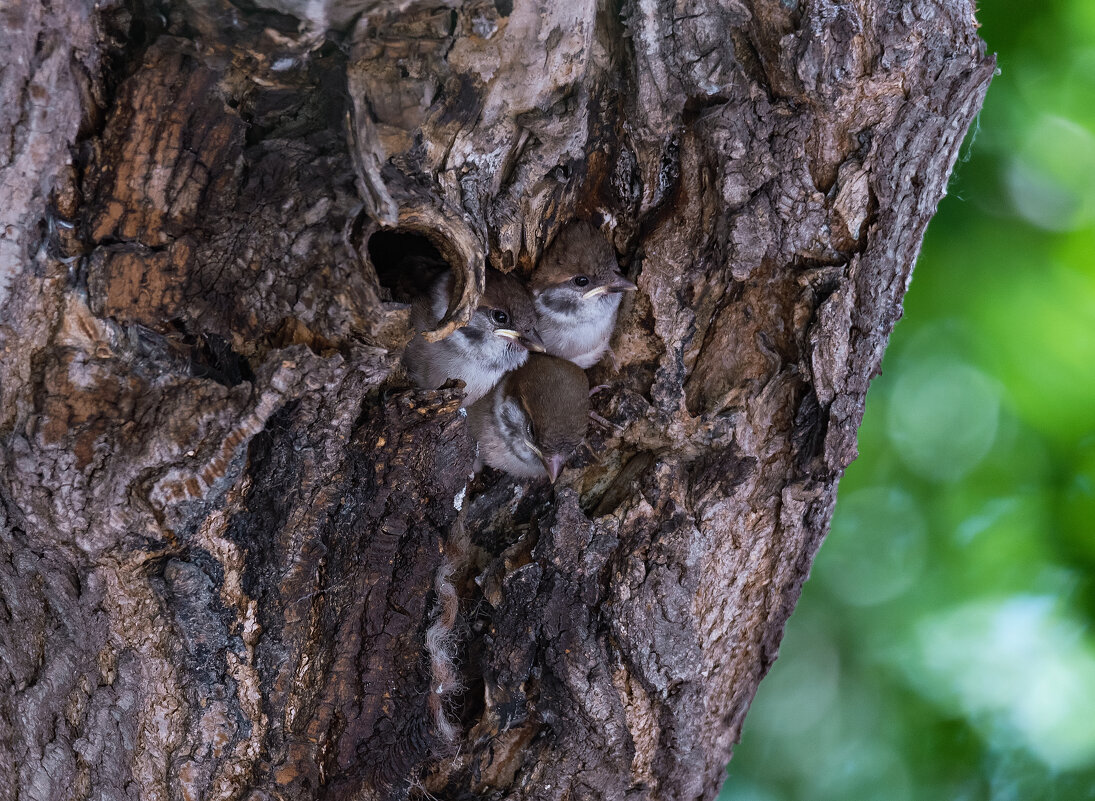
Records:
x=578, y=267
x=506, y=311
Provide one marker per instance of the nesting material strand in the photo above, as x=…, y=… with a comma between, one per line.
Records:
x=441, y=639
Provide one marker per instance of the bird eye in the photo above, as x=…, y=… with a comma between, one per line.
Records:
x=581, y=280
x=499, y=316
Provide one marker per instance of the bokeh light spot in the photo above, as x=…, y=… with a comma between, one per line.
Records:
x=943, y=418
x=877, y=546
x=1051, y=180
x=1020, y=671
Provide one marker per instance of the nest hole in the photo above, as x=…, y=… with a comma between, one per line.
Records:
x=211, y=356
x=407, y=264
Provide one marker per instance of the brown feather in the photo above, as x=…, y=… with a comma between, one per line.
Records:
x=579, y=249
x=555, y=395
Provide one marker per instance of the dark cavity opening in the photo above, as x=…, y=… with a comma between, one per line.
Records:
x=211, y=356
x=406, y=264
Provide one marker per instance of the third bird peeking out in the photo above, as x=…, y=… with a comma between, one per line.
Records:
x=538, y=411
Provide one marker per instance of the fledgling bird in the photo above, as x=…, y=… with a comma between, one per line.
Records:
x=497, y=339
x=577, y=288
x=535, y=418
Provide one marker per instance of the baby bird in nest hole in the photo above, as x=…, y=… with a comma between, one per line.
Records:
x=577, y=289
x=497, y=340
x=536, y=417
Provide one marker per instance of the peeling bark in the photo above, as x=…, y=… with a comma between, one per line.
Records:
x=228, y=526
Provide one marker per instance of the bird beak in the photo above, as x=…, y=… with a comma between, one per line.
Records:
x=621, y=284
x=531, y=340
x=554, y=465
x=618, y=284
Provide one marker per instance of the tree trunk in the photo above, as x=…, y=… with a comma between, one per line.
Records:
x=240, y=558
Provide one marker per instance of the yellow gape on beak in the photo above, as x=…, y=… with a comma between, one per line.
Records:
x=597, y=290
x=527, y=342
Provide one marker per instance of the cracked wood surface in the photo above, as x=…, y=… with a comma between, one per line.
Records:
x=222, y=509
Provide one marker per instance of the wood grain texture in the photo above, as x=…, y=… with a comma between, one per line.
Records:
x=223, y=510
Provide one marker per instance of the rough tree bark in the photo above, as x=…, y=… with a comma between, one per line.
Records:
x=227, y=525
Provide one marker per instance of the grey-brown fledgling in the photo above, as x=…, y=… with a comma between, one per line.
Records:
x=497, y=339
x=535, y=418
x=577, y=288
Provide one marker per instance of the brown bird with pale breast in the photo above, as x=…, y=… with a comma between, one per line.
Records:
x=536, y=417
x=577, y=289
x=497, y=339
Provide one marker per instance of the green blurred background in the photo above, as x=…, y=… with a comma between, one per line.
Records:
x=943, y=649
